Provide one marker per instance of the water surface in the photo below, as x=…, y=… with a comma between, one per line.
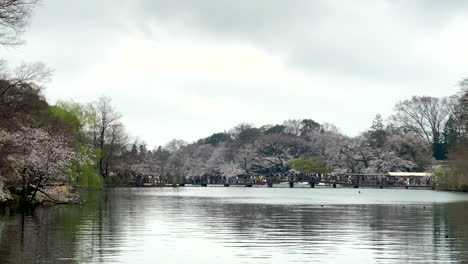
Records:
x=242, y=225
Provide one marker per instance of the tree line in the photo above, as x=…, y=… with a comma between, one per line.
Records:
x=421, y=133
x=87, y=145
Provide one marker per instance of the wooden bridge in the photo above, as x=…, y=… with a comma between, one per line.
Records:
x=389, y=180
x=308, y=185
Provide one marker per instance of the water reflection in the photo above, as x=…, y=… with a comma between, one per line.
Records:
x=208, y=225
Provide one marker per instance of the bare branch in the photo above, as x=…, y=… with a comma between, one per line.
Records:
x=14, y=17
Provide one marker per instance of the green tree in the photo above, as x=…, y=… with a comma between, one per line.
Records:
x=311, y=164
x=377, y=133
x=217, y=138
x=85, y=174
x=308, y=125
x=452, y=135
x=277, y=129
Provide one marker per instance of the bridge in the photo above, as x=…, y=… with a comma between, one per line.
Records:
x=388, y=180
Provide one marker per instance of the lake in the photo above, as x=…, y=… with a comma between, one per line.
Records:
x=242, y=225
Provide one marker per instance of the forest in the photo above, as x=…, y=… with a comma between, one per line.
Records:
x=48, y=147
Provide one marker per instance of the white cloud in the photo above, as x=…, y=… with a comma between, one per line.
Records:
x=187, y=69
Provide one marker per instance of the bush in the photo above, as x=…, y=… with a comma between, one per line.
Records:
x=89, y=178
x=444, y=177
x=464, y=187
x=310, y=165
x=4, y=196
x=114, y=181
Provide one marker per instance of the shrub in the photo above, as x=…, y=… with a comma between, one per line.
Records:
x=464, y=187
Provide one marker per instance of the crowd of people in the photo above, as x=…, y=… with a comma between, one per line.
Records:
x=351, y=179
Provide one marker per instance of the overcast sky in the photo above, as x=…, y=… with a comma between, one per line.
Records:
x=188, y=68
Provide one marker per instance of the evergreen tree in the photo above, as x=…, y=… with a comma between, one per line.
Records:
x=377, y=132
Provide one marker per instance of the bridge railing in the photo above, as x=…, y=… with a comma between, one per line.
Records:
x=343, y=179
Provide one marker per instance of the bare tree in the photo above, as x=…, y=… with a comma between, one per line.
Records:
x=32, y=75
x=329, y=128
x=426, y=116
x=116, y=137
x=245, y=134
x=464, y=104
x=106, y=117
x=174, y=145
x=457, y=116
x=20, y=92
x=14, y=17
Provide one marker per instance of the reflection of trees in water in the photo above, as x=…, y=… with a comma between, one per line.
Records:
x=451, y=228
x=32, y=236
x=94, y=230
x=45, y=234
x=393, y=232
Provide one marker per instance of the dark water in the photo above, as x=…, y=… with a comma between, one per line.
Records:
x=242, y=225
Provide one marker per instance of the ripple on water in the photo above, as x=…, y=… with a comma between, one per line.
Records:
x=244, y=225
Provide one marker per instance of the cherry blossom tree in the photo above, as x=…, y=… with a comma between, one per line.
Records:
x=275, y=150
x=292, y=127
x=385, y=161
x=40, y=157
x=147, y=170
